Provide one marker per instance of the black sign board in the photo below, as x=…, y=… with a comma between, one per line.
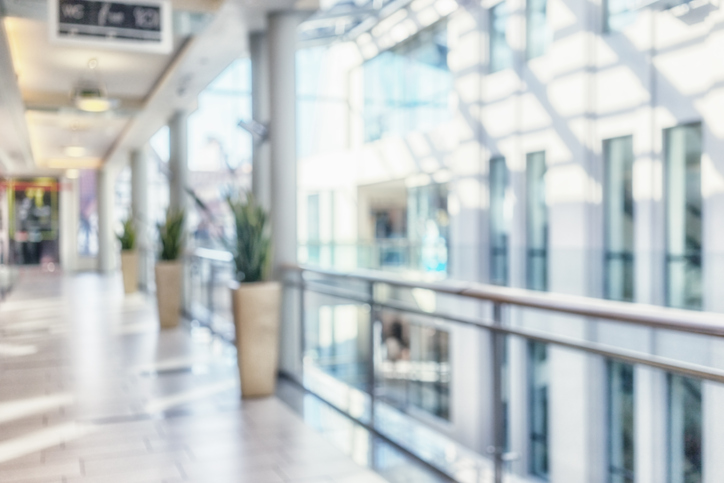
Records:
x=142, y=22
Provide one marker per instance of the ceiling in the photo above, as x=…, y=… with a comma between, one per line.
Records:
x=38, y=120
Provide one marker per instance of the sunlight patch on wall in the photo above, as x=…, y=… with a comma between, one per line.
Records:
x=570, y=183
x=647, y=180
x=712, y=181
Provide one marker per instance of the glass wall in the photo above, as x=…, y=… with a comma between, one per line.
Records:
x=618, y=14
x=685, y=437
x=537, y=28
x=498, y=221
x=536, y=222
x=427, y=226
x=619, y=219
x=501, y=55
x=620, y=422
x=683, y=216
x=313, y=229
x=407, y=88
x=538, y=410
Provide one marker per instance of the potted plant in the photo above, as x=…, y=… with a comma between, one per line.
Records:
x=129, y=256
x=255, y=299
x=169, y=269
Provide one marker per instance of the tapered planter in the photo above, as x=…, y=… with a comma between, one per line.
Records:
x=169, y=275
x=129, y=269
x=256, y=316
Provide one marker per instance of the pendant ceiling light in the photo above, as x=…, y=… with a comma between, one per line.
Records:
x=90, y=93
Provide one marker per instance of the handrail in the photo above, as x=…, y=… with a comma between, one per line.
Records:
x=221, y=256
x=705, y=323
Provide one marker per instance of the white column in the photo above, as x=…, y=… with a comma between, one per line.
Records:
x=282, y=132
x=139, y=204
x=282, y=144
x=261, y=174
x=69, y=220
x=178, y=162
x=106, y=235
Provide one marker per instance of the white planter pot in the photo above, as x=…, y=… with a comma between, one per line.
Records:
x=256, y=308
x=129, y=269
x=169, y=277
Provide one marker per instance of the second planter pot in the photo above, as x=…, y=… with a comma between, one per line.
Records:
x=129, y=269
x=169, y=276
x=256, y=316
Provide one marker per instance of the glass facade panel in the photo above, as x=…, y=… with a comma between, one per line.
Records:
x=498, y=222
x=537, y=222
x=620, y=422
x=683, y=216
x=537, y=28
x=415, y=365
x=538, y=411
x=685, y=437
x=501, y=55
x=408, y=88
x=313, y=228
x=619, y=216
x=618, y=14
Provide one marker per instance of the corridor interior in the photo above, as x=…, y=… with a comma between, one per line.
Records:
x=92, y=391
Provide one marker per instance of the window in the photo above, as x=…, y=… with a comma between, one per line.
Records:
x=619, y=219
x=538, y=411
x=618, y=14
x=498, y=222
x=683, y=216
x=501, y=56
x=407, y=88
x=537, y=222
x=620, y=422
x=314, y=247
x=685, y=442
x=537, y=30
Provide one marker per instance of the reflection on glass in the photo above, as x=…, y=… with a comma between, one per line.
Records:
x=537, y=222
x=427, y=226
x=538, y=411
x=498, y=222
x=501, y=55
x=618, y=14
x=335, y=341
x=537, y=34
x=685, y=441
x=414, y=366
x=88, y=226
x=620, y=422
x=619, y=216
x=683, y=216
x=407, y=88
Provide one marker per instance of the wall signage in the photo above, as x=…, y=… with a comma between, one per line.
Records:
x=124, y=24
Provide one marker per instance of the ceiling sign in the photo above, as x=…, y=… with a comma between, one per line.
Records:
x=124, y=24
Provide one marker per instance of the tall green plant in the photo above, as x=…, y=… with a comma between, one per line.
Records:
x=171, y=235
x=128, y=235
x=251, y=245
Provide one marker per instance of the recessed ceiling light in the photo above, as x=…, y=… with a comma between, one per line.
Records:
x=74, y=151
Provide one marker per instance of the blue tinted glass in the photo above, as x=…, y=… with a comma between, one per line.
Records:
x=498, y=180
x=501, y=56
x=537, y=222
x=619, y=14
x=408, y=87
x=537, y=33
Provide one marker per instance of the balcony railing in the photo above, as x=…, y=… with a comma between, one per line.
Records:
x=394, y=354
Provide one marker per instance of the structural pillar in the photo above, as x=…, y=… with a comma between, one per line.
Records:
x=261, y=173
x=178, y=162
x=106, y=235
x=282, y=135
x=141, y=221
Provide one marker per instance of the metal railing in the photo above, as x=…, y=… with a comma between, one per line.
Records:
x=209, y=303
x=331, y=283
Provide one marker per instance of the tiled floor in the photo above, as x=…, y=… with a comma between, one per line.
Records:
x=91, y=391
